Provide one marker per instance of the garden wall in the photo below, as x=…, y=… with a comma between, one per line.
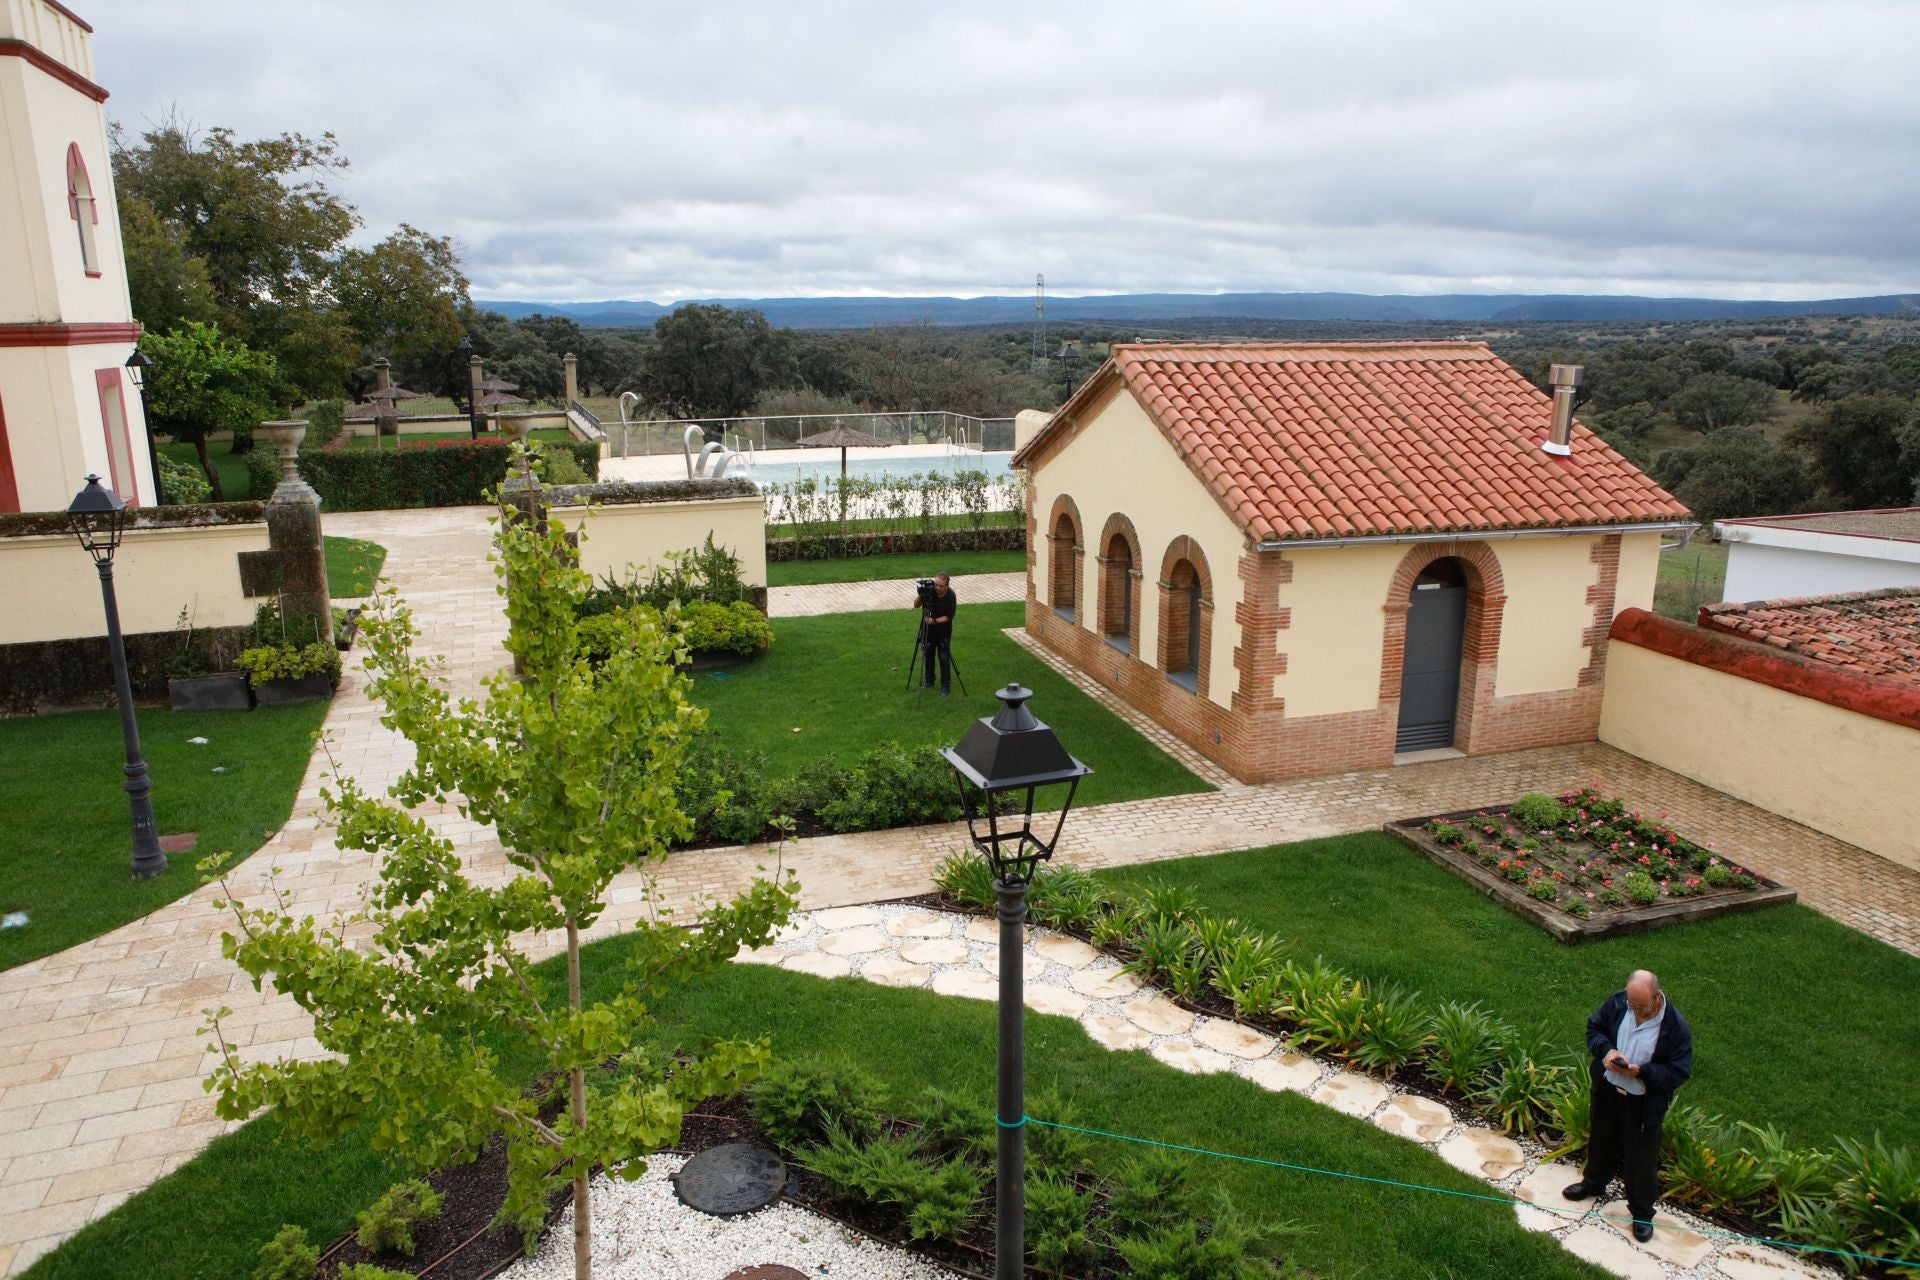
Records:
x=1809, y=741
x=634, y=525
x=211, y=559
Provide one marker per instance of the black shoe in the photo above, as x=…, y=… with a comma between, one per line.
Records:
x=1581, y=1191
x=946, y=693
x=1642, y=1231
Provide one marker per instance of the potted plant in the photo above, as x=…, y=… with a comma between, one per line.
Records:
x=287, y=661
x=193, y=684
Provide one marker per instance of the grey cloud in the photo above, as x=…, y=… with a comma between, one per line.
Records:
x=592, y=149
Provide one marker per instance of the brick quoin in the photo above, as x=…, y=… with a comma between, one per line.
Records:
x=1256, y=741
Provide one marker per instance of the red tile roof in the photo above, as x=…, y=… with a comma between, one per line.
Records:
x=1875, y=633
x=1326, y=440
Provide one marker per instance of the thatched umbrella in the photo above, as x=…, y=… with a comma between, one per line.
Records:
x=843, y=438
x=498, y=384
x=494, y=399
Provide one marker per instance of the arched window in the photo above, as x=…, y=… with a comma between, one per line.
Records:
x=1116, y=592
x=1186, y=605
x=1063, y=561
x=81, y=206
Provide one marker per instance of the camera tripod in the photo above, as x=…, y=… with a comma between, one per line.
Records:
x=920, y=653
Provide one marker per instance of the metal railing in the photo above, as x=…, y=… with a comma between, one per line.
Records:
x=754, y=435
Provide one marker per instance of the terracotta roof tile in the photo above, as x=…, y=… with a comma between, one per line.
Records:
x=1311, y=440
x=1874, y=633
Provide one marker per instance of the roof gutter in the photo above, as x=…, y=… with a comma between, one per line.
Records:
x=1470, y=535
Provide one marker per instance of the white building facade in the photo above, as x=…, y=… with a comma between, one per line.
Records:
x=68, y=407
x=1786, y=557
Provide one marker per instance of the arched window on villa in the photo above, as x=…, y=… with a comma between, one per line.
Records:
x=83, y=210
x=1186, y=608
x=1119, y=569
x=1063, y=561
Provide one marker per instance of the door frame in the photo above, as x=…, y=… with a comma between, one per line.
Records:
x=1479, y=649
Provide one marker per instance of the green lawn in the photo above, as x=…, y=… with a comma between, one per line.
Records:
x=353, y=566
x=232, y=467
x=1690, y=577
x=882, y=524
x=833, y=686
x=1797, y=1020
x=210, y=1217
x=66, y=845
x=798, y=573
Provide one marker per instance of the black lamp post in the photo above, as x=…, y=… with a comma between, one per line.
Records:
x=1009, y=752
x=137, y=365
x=1067, y=354
x=465, y=352
x=99, y=518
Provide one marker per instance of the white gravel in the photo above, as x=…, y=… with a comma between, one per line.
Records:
x=641, y=1229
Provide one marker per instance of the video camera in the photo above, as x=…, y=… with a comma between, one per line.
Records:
x=924, y=591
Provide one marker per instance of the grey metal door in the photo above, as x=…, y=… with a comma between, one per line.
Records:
x=1430, y=671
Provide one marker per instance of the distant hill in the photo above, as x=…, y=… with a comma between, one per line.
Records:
x=1472, y=308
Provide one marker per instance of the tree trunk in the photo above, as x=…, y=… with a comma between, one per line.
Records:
x=206, y=465
x=577, y=1080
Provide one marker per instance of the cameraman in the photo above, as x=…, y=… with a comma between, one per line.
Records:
x=937, y=607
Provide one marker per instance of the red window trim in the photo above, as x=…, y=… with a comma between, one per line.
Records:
x=104, y=379
x=9, y=485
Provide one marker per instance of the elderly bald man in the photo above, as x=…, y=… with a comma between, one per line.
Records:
x=1642, y=1050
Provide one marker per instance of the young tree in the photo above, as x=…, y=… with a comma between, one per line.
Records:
x=203, y=381
x=425, y=992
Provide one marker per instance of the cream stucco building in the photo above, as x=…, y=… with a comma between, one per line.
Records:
x=1315, y=557
x=67, y=406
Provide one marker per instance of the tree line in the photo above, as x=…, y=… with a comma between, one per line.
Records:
x=1707, y=415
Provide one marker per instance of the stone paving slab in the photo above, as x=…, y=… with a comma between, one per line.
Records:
x=109, y=1030
x=889, y=593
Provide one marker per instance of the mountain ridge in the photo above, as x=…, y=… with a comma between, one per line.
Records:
x=1473, y=308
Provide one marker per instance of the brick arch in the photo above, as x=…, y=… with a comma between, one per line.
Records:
x=1486, y=605
x=1181, y=566
x=1120, y=579
x=1065, y=558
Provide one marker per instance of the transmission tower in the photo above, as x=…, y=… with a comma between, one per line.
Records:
x=1039, y=323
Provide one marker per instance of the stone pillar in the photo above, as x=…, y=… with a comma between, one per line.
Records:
x=385, y=422
x=293, y=533
x=572, y=366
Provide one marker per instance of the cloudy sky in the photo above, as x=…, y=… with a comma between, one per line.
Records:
x=592, y=149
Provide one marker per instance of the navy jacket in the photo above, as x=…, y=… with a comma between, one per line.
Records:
x=1672, y=1060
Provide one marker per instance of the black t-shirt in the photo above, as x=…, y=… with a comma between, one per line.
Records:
x=942, y=606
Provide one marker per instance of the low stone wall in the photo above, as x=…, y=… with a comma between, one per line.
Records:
x=634, y=525
x=1809, y=741
x=213, y=560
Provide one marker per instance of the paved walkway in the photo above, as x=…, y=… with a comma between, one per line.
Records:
x=958, y=956
x=892, y=593
x=102, y=1055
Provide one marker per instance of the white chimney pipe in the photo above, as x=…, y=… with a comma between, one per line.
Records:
x=1566, y=380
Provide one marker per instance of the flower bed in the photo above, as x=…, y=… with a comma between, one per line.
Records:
x=1583, y=866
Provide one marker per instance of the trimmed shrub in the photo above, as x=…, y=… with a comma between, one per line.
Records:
x=452, y=473
x=725, y=628
x=1000, y=537
x=387, y=1225
x=801, y=1104
x=180, y=483
x=1538, y=812
x=287, y=1256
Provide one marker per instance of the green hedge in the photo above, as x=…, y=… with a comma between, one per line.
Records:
x=456, y=473
x=1004, y=537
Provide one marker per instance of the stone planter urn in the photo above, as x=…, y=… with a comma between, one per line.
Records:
x=228, y=691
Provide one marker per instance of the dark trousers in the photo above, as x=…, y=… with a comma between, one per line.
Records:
x=1627, y=1143
x=942, y=645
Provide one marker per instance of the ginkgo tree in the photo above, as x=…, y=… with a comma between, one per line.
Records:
x=428, y=992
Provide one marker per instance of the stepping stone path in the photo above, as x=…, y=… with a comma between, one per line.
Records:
x=899, y=946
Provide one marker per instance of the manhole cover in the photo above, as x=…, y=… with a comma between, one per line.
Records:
x=736, y=1178
x=767, y=1271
